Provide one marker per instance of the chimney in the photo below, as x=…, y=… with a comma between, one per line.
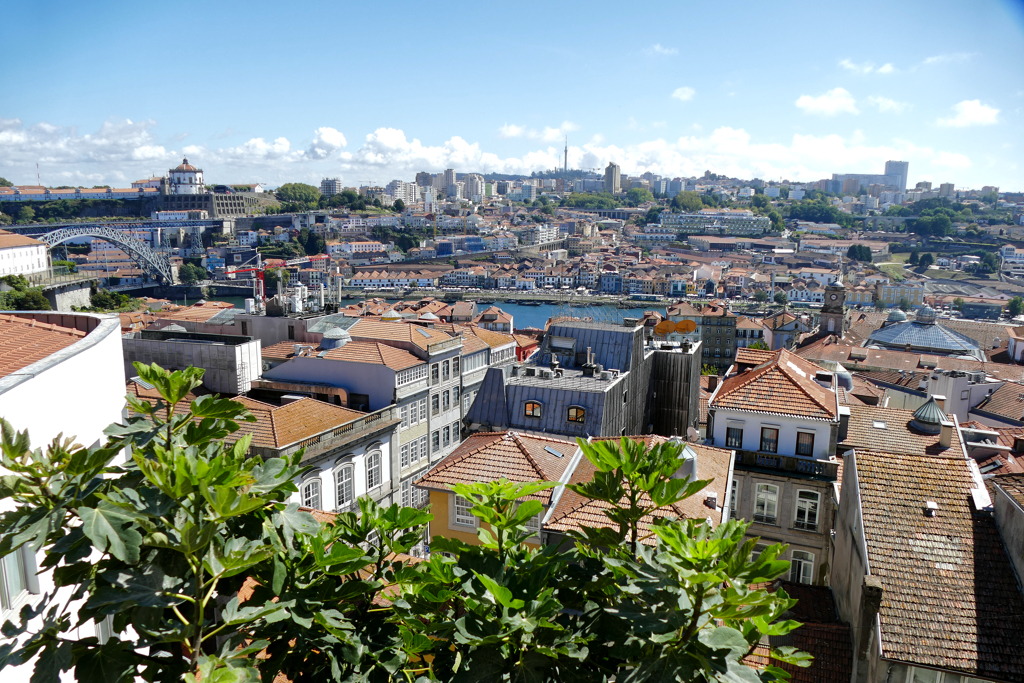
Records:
x=712, y=383
x=870, y=600
x=844, y=423
x=945, y=434
x=941, y=400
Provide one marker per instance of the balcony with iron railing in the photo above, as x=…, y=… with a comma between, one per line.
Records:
x=789, y=465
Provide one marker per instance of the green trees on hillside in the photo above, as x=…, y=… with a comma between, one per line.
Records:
x=299, y=193
x=191, y=554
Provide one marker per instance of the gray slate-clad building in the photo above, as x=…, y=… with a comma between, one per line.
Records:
x=591, y=379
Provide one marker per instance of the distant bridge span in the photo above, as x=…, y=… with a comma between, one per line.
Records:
x=152, y=262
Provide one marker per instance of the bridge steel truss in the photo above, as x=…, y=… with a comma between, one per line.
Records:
x=152, y=262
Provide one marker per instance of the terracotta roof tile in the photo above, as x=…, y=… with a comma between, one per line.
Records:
x=1007, y=402
x=492, y=455
x=373, y=330
x=9, y=240
x=784, y=385
x=374, y=353
x=573, y=511
x=889, y=430
x=950, y=569
x=24, y=341
x=748, y=356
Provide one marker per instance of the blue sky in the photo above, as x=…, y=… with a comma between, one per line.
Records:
x=108, y=92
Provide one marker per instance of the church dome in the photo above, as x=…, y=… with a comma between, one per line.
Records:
x=926, y=315
x=896, y=316
x=186, y=167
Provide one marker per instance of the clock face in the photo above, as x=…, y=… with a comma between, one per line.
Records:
x=834, y=297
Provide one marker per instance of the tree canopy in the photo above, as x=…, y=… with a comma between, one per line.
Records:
x=22, y=296
x=299, y=193
x=597, y=200
x=1015, y=306
x=638, y=195
x=820, y=211
x=687, y=201
x=161, y=545
x=189, y=274
x=781, y=299
x=4, y=182
x=859, y=252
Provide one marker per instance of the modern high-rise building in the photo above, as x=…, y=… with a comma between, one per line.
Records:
x=612, y=178
x=946, y=190
x=449, y=177
x=423, y=179
x=898, y=168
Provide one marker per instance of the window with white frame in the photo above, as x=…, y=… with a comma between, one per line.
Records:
x=474, y=361
x=424, y=453
x=918, y=675
x=766, y=503
x=344, y=486
x=435, y=404
x=806, y=515
x=406, y=489
x=435, y=374
x=404, y=455
x=423, y=409
x=447, y=436
x=801, y=567
x=404, y=414
x=411, y=375
x=461, y=514
x=435, y=441
x=455, y=432
x=446, y=401
x=373, y=471
x=455, y=366
x=805, y=444
x=734, y=494
x=533, y=524
x=734, y=437
x=311, y=494
x=13, y=578
x=446, y=372
x=455, y=396
x=756, y=552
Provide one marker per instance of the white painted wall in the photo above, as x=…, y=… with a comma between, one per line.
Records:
x=23, y=260
x=77, y=391
x=788, y=427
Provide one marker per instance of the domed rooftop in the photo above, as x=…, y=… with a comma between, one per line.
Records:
x=337, y=333
x=429, y=316
x=896, y=316
x=173, y=328
x=928, y=418
x=923, y=335
x=185, y=166
x=926, y=315
x=391, y=315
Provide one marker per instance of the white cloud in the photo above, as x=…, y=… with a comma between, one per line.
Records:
x=510, y=130
x=887, y=105
x=970, y=113
x=683, y=94
x=326, y=142
x=835, y=101
x=548, y=134
x=866, y=67
x=950, y=58
x=122, y=151
x=657, y=49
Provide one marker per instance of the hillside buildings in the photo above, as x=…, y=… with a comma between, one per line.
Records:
x=22, y=255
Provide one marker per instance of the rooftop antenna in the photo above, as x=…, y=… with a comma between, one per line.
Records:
x=39, y=182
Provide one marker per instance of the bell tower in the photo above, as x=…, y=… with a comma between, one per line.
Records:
x=832, y=312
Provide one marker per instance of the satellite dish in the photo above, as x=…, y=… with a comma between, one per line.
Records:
x=685, y=326
x=664, y=327
x=692, y=433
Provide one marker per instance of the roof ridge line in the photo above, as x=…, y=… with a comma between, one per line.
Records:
x=516, y=438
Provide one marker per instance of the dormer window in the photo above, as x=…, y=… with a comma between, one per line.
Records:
x=577, y=414
x=532, y=409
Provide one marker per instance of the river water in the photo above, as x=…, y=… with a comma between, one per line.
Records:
x=525, y=316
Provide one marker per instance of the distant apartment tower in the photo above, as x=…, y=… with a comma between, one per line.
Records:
x=409, y=193
x=424, y=179
x=449, y=177
x=474, y=189
x=330, y=187
x=900, y=169
x=946, y=190
x=612, y=178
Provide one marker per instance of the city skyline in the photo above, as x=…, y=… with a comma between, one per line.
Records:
x=760, y=93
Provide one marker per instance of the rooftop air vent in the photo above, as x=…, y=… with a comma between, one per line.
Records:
x=711, y=500
x=878, y=424
x=931, y=508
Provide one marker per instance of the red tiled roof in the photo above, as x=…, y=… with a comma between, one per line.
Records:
x=784, y=385
x=24, y=341
x=489, y=456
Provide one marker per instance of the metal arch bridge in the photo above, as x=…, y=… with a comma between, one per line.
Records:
x=152, y=262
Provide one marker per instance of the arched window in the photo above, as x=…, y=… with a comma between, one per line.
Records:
x=345, y=488
x=373, y=473
x=532, y=409
x=311, y=493
x=577, y=414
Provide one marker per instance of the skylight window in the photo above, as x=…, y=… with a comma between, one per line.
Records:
x=553, y=452
x=423, y=332
x=878, y=424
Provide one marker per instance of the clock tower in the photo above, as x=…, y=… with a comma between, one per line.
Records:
x=832, y=312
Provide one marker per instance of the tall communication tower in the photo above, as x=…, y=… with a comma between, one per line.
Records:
x=566, y=168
